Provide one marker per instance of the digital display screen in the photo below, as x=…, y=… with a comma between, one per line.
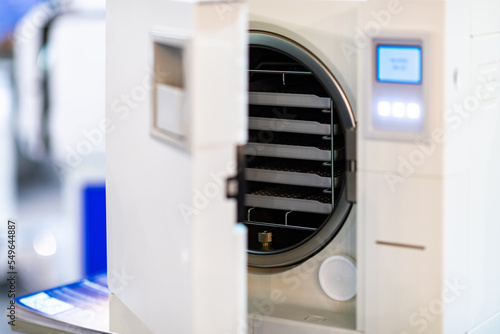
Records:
x=399, y=64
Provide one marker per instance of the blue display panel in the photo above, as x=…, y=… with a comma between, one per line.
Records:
x=399, y=64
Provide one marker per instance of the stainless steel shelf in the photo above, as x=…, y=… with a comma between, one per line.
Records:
x=292, y=178
x=289, y=125
x=291, y=152
x=280, y=72
x=281, y=203
x=289, y=100
x=293, y=227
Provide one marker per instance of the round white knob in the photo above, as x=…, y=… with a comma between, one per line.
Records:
x=337, y=277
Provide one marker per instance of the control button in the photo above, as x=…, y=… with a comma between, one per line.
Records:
x=398, y=109
x=384, y=108
x=413, y=110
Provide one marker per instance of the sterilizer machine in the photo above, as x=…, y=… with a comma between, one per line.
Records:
x=358, y=138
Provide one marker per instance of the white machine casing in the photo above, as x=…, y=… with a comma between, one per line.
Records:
x=423, y=231
x=171, y=254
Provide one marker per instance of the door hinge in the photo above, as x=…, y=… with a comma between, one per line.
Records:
x=235, y=186
x=351, y=165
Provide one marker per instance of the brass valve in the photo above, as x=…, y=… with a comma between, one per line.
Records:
x=265, y=238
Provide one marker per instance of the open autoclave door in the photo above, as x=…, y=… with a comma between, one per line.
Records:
x=176, y=98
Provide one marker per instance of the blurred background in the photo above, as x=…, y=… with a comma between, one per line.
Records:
x=52, y=139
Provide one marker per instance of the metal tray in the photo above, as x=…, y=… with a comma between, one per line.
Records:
x=292, y=178
x=289, y=100
x=290, y=125
x=293, y=227
x=282, y=203
x=292, y=152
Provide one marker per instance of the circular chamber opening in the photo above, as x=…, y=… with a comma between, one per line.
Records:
x=295, y=157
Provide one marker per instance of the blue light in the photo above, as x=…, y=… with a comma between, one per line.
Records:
x=11, y=11
x=94, y=216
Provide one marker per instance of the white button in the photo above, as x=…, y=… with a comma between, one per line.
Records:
x=398, y=109
x=384, y=108
x=413, y=110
